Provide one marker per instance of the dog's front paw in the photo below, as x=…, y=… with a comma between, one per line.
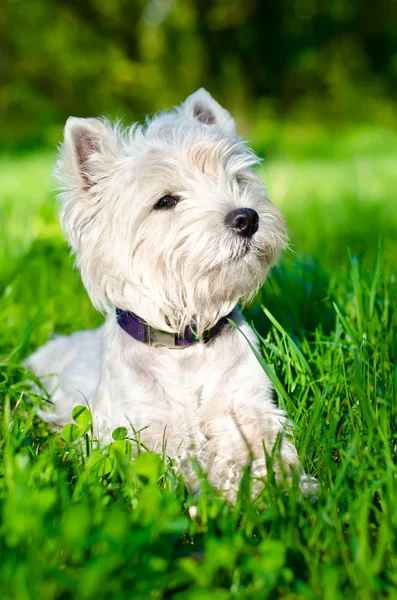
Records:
x=310, y=487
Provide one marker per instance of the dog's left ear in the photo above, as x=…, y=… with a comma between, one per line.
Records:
x=202, y=107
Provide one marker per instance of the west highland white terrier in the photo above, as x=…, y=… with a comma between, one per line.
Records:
x=171, y=228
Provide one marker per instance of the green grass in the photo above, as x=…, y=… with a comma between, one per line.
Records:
x=106, y=527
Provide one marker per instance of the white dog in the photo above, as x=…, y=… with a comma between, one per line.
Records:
x=171, y=228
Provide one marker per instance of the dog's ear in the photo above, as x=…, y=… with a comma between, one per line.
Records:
x=86, y=157
x=202, y=107
x=86, y=143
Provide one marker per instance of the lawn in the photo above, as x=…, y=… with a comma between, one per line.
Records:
x=105, y=527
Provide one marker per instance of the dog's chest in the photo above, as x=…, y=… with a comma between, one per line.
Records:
x=182, y=395
x=163, y=392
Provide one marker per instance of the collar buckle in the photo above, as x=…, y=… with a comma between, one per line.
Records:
x=161, y=339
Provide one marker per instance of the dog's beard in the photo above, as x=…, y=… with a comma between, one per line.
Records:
x=239, y=248
x=183, y=295
x=242, y=269
x=210, y=294
x=199, y=280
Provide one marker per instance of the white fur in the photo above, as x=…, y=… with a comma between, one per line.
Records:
x=172, y=267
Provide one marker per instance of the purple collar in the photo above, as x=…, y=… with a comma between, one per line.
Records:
x=140, y=330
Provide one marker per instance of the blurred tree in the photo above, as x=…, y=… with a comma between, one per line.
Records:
x=129, y=57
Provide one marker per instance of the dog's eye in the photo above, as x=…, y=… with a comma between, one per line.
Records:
x=167, y=201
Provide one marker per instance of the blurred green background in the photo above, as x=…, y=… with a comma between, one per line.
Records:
x=333, y=60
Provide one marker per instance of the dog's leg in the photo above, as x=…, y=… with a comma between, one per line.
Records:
x=238, y=438
x=69, y=368
x=242, y=424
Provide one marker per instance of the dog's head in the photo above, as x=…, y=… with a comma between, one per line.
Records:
x=168, y=220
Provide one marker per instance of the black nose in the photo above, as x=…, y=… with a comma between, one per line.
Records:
x=244, y=221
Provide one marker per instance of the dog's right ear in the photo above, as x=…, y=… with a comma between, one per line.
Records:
x=202, y=107
x=86, y=143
